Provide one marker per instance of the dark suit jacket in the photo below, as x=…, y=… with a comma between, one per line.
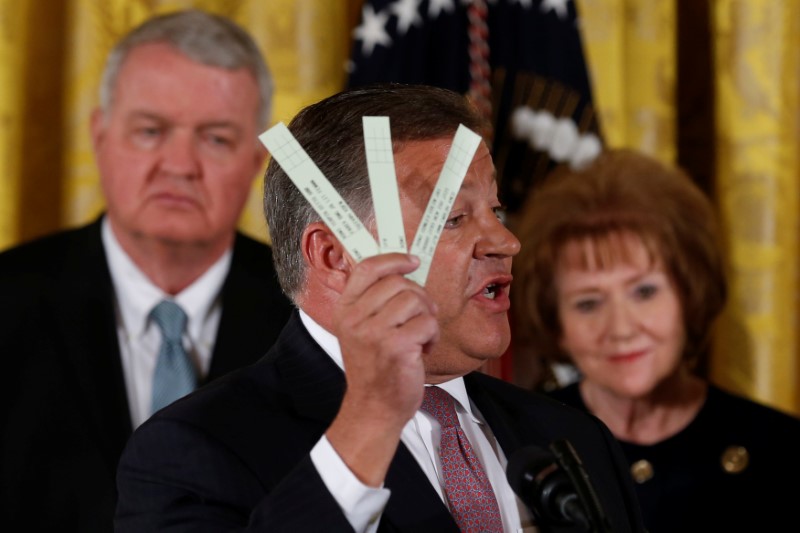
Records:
x=63, y=408
x=235, y=455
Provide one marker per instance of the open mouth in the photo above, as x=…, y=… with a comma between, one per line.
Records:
x=490, y=291
x=495, y=288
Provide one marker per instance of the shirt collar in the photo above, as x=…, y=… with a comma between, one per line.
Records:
x=458, y=390
x=326, y=340
x=137, y=295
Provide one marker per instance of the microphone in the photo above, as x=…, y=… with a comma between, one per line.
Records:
x=554, y=485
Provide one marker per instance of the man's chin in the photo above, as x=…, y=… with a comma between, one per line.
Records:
x=177, y=226
x=176, y=235
x=440, y=368
x=493, y=345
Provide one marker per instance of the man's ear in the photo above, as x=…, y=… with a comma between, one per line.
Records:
x=327, y=260
x=259, y=157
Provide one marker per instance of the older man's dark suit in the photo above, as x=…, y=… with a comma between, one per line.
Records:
x=235, y=455
x=64, y=412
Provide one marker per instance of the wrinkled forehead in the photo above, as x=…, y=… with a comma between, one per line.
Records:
x=594, y=251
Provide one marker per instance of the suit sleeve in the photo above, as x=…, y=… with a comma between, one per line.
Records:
x=173, y=477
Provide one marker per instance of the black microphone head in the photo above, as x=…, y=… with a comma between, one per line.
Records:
x=523, y=463
x=536, y=477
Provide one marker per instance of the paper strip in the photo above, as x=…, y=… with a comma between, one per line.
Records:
x=383, y=183
x=319, y=192
x=465, y=143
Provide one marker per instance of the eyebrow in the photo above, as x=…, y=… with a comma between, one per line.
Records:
x=148, y=115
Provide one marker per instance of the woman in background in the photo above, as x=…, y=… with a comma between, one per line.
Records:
x=621, y=274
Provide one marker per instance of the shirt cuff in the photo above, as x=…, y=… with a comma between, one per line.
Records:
x=362, y=505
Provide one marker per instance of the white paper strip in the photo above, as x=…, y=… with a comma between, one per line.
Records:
x=465, y=143
x=383, y=182
x=319, y=192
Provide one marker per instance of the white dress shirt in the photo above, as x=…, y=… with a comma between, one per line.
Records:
x=140, y=338
x=363, y=505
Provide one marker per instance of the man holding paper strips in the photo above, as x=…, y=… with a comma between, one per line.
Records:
x=347, y=423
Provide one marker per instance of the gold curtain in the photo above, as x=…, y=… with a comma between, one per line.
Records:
x=12, y=57
x=631, y=55
x=631, y=48
x=757, y=53
x=29, y=96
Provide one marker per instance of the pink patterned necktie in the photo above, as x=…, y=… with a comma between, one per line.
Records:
x=472, y=501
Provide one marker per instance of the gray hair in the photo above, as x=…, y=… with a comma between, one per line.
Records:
x=331, y=133
x=203, y=37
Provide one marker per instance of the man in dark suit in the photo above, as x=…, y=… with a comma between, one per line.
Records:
x=182, y=100
x=340, y=427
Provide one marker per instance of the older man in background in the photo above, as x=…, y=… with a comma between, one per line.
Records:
x=103, y=325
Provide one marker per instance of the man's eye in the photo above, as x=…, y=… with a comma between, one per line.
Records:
x=218, y=140
x=147, y=136
x=150, y=131
x=453, y=222
x=501, y=213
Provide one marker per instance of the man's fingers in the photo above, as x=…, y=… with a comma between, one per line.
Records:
x=372, y=269
x=381, y=286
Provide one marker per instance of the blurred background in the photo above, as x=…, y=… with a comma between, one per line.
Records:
x=710, y=85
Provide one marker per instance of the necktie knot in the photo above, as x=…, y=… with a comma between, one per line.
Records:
x=171, y=319
x=440, y=405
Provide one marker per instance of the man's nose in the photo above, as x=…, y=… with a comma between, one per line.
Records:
x=179, y=154
x=497, y=240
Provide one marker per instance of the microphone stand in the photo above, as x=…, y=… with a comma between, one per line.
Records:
x=569, y=462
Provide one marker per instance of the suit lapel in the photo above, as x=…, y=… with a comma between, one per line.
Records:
x=253, y=309
x=508, y=411
x=314, y=382
x=84, y=317
x=414, y=504
x=504, y=423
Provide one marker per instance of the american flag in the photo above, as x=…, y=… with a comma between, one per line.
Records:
x=541, y=102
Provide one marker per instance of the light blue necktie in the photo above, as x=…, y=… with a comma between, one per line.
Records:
x=175, y=375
